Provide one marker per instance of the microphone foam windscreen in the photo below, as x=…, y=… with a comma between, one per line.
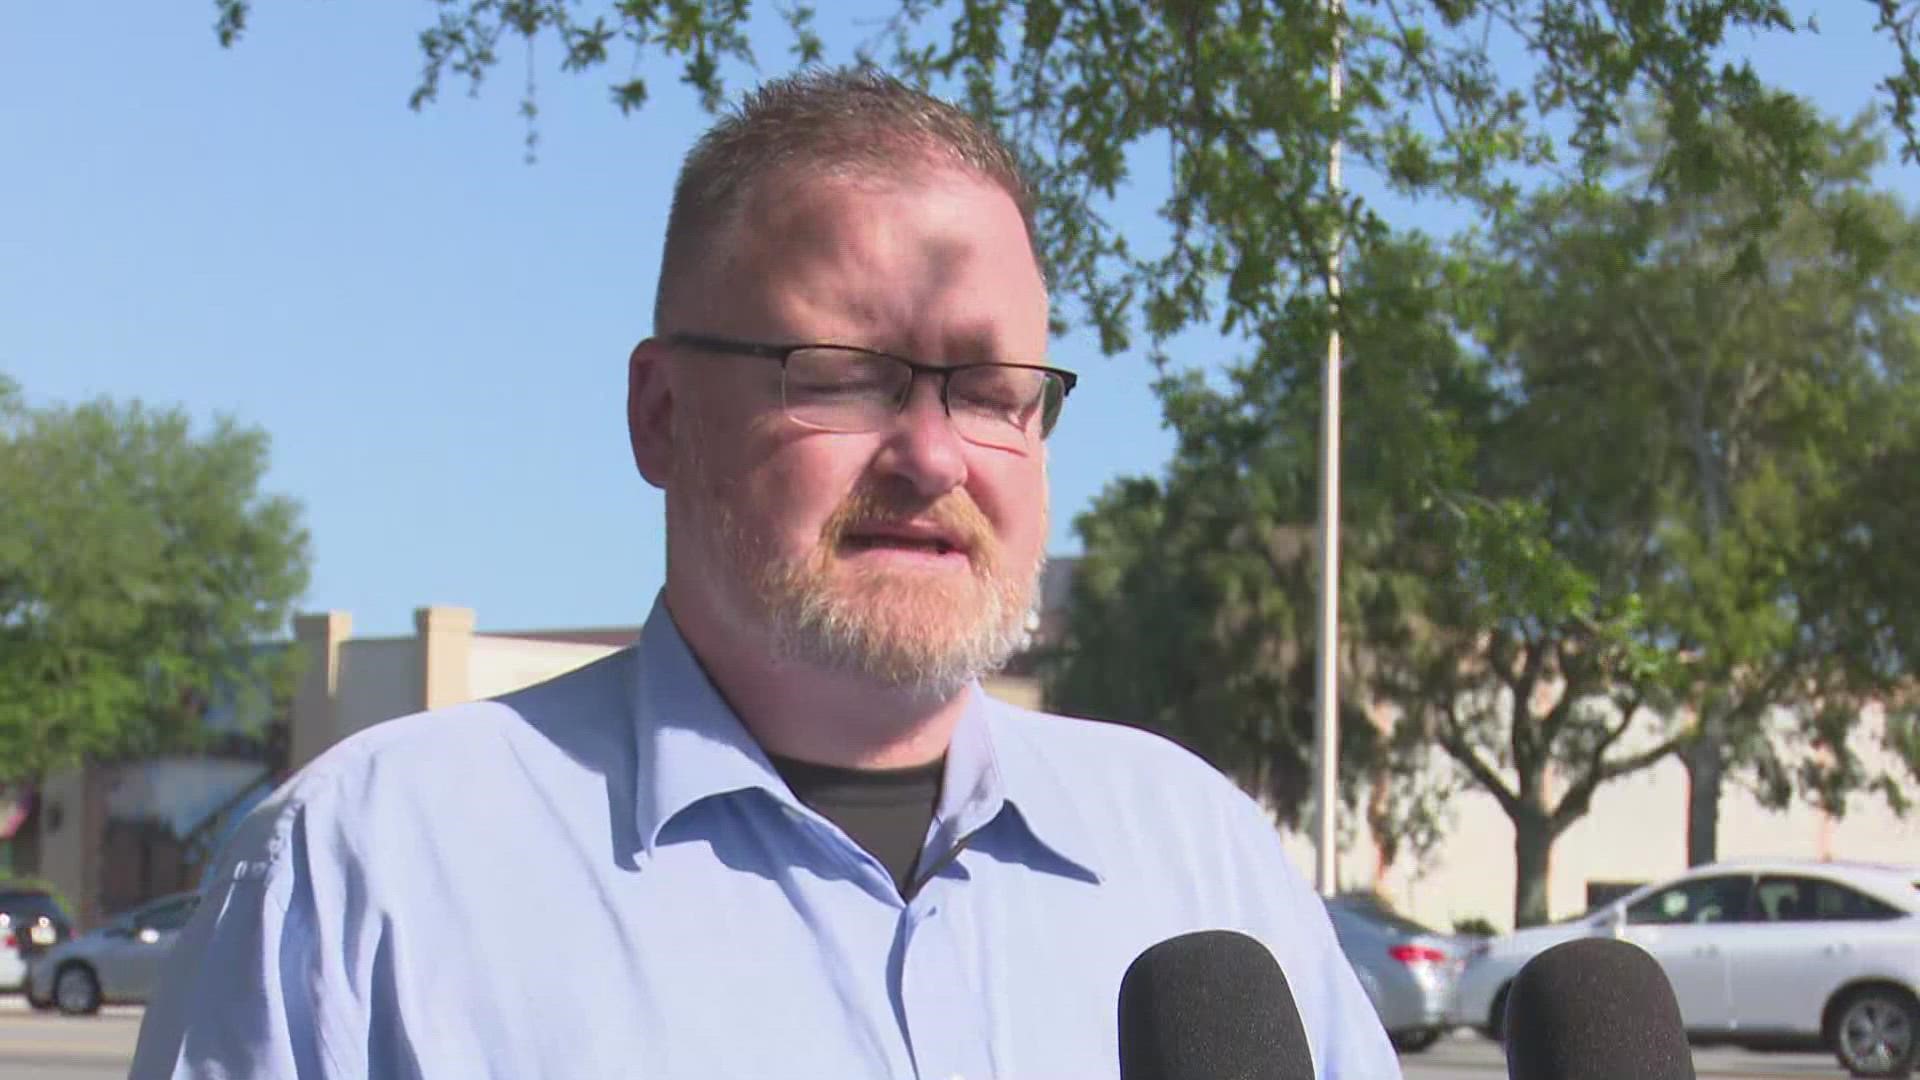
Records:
x=1595, y=1009
x=1211, y=1004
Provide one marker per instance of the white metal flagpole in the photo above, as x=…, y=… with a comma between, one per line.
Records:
x=1326, y=729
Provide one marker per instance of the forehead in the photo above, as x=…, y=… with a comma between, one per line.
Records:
x=936, y=263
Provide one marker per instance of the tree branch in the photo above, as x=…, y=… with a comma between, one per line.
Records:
x=1644, y=759
x=1426, y=70
x=1579, y=797
x=1453, y=740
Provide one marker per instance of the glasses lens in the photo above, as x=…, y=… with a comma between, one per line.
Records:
x=843, y=389
x=1007, y=407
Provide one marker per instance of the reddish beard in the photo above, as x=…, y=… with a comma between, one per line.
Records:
x=930, y=628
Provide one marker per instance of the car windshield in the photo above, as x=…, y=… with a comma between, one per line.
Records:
x=22, y=908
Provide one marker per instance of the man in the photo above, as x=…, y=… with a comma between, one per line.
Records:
x=786, y=834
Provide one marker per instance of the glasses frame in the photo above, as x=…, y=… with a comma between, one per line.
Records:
x=722, y=346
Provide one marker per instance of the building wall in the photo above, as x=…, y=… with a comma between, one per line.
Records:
x=379, y=680
x=67, y=836
x=500, y=664
x=354, y=683
x=139, y=861
x=111, y=836
x=1635, y=832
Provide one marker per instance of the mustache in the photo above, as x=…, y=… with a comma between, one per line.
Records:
x=954, y=512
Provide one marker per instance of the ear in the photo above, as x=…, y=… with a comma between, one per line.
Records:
x=650, y=411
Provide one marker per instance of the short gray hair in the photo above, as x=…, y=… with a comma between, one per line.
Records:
x=844, y=123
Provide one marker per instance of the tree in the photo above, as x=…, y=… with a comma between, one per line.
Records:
x=1443, y=99
x=1528, y=585
x=141, y=569
x=1732, y=388
x=1193, y=607
x=1857, y=599
x=1512, y=641
x=1173, y=625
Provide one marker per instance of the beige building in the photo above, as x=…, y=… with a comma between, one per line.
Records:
x=349, y=683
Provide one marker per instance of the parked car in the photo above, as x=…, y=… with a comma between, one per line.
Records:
x=13, y=966
x=1407, y=969
x=118, y=963
x=31, y=922
x=1773, y=954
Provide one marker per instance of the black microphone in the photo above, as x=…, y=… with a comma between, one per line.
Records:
x=1595, y=1009
x=1210, y=1005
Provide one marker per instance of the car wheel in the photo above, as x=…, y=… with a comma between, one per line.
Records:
x=1877, y=1033
x=1412, y=1042
x=1496, y=1028
x=76, y=990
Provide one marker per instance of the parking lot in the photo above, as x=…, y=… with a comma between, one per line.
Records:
x=41, y=1046
x=35, y=1046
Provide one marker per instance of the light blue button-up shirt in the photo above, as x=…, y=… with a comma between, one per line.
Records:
x=602, y=876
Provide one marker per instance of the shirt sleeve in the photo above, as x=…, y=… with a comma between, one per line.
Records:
x=1349, y=1042
x=248, y=990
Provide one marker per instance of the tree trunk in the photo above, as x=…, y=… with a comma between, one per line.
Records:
x=1706, y=762
x=1532, y=851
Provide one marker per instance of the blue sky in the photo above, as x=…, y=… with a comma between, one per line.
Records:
x=433, y=332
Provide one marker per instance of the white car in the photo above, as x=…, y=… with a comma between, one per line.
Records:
x=1775, y=954
x=13, y=966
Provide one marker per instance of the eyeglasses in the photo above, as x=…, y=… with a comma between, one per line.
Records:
x=845, y=389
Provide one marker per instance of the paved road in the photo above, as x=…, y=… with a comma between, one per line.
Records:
x=37, y=1046
x=47, y=1047
x=1468, y=1056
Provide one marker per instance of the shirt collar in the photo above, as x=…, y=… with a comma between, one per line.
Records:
x=690, y=746
x=995, y=768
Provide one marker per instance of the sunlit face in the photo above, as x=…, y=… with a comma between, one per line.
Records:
x=906, y=555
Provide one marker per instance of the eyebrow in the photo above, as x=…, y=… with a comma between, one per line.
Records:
x=974, y=345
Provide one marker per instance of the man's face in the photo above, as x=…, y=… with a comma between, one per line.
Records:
x=907, y=555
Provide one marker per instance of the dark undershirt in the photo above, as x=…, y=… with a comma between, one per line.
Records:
x=885, y=811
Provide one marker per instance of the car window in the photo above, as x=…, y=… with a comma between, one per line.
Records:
x=1832, y=900
x=1784, y=899
x=171, y=915
x=1803, y=899
x=1702, y=900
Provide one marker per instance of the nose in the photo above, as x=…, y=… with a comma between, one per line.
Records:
x=921, y=446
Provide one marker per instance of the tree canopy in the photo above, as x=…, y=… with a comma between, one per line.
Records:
x=142, y=569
